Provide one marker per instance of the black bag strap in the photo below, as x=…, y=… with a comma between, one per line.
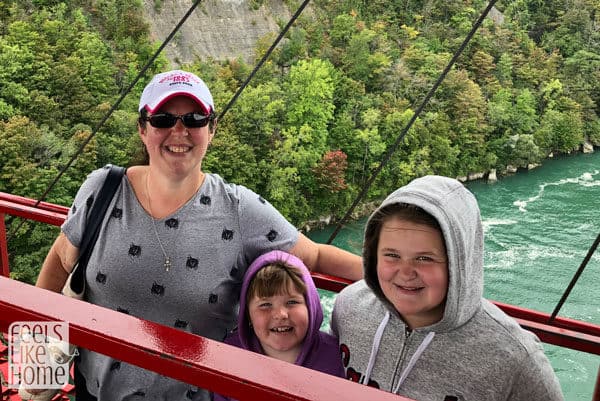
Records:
x=92, y=229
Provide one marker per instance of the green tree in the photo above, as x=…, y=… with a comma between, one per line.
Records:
x=256, y=118
x=504, y=70
x=365, y=58
x=522, y=151
x=573, y=30
x=309, y=103
x=500, y=112
x=559, y=132
x=293, y=49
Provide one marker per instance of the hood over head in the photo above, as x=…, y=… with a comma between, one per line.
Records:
x=315, y=312
x=457, y=212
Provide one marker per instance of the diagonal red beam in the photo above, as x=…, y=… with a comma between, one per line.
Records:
x=177, y=354
x=21, y=200
x=29, y=212
x=544, y=318
x=563, y=337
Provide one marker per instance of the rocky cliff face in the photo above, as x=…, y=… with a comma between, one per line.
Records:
x=220, y=29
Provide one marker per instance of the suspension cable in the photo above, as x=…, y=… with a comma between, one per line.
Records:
x=110, y=112
x=386, y=158
x=575, y=278
x=264, y=57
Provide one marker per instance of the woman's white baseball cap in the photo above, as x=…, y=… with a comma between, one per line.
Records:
x=167, y=85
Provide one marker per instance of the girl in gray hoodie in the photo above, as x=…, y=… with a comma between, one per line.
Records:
x=417, y=325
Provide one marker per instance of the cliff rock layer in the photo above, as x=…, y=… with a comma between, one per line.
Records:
x=220, y=29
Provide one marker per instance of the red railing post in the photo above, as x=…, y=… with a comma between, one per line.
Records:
x=4, y=268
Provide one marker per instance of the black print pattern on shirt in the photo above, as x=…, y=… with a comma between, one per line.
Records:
x=262, y=200
x=190, y=394
x=172, y=223
x=116, y=365
x=213, y=298
x=117, y=213
x=158, y=289
x=181, y=324
x=352, y=374
x=272, y=235
x=227, y=235
x=205, y=200
x=135, y=250
x=140, y=393
x=191, y=263
x=233, y=272
x=101, y=278
x=122, y=310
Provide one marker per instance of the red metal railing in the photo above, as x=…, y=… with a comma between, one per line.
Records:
x=206, y=363
x=175, y=353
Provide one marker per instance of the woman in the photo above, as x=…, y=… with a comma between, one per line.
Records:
x=176, y=241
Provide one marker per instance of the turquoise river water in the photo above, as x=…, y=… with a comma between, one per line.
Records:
x=539, y=225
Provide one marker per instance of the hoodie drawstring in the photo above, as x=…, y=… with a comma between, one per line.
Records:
x=375, y=348
x=413, y=360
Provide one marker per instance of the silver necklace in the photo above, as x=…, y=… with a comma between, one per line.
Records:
x=167, y=263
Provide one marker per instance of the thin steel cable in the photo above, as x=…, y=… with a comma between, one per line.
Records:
x=575, y=278
x=386, y=158
x=264, y=58
x=109, y=113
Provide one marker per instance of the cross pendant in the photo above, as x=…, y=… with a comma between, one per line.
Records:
x=167, y=264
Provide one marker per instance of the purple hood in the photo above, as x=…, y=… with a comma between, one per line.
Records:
x=320, y=351
x=246, y=335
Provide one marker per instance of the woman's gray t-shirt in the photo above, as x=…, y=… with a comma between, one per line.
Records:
x=211, y=240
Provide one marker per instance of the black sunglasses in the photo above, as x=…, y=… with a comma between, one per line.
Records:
x=189, y=120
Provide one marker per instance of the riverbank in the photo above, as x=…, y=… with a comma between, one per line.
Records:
x=365, y=209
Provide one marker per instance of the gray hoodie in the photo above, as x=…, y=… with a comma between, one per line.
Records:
x=474, y=353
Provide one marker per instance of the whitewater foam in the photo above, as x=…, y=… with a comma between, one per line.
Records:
x=586, y=180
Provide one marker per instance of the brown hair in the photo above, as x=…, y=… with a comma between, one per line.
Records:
x=274, y=279
x=403, y=211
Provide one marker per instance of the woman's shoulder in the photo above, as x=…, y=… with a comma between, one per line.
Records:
x=93, y=181
x=98, y=175
x=238, y=194
x=217, y=183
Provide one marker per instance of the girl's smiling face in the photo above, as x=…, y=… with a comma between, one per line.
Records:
x=280, y=322
x=412, y=270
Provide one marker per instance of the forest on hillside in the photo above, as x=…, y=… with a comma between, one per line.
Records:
x=316, y=120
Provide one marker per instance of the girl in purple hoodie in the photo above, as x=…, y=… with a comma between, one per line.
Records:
x=280, y=316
